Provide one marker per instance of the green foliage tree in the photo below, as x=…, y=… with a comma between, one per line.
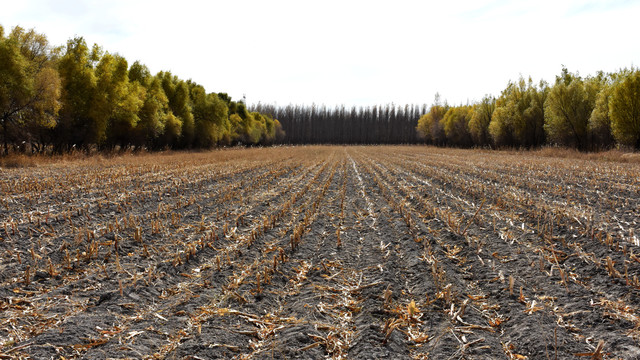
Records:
x=76, y=69
x=140, y=73
x=236, y=127
x=177, y=92
x=116, y=103
x=480, y=120
x=211, y=117
x=258, y=129
x=153, y=114
x=430, y=125
x=172, y=129
x=271, y=128
x=456, y=125
x=568, y=109
x=14, y=85
x=29, y=84
x=244, y=129
x=624, y=109
x=599, y=126
x=518, y=118
x=280, y=133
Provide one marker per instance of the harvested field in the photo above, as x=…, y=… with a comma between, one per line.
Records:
x=314, y=252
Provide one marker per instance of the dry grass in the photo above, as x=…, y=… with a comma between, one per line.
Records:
x=26, y=161
x=613, y=155
x=18, y=161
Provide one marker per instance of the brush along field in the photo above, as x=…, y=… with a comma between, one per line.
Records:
x=321, y=252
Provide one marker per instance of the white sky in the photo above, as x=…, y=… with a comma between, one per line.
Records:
x=348, y=52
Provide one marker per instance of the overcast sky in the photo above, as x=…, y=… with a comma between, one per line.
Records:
x=349, y=52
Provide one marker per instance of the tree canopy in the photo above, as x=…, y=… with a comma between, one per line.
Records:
x=590, y=113
x=78, y=96
x=29, y=85
x=624, y=109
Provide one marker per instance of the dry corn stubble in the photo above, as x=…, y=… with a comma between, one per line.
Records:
x=343, y=252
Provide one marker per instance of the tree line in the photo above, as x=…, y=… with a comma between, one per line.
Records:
x=586, y=113
x=321, y=124
x=60, y=98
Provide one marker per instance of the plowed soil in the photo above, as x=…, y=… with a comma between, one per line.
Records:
x=321, y=252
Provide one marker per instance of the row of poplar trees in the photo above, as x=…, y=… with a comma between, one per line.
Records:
x=321, y=124
x=586, y=113
x=60, y=98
